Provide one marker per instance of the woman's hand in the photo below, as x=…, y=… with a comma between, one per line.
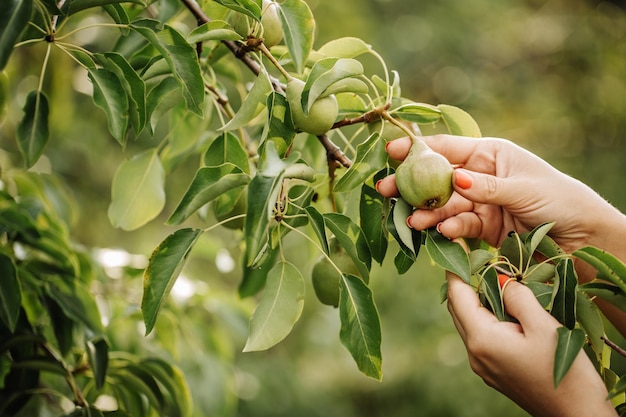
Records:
x=501, y=187
x=518, y=359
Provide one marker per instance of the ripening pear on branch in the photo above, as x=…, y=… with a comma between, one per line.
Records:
x=321, y=116
x=424, y=178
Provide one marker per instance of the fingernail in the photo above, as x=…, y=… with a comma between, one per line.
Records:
x=377, y=184
x=463, y=179
x=504, y=279
x=438, y=227
x=408, y=222
x=387, y=145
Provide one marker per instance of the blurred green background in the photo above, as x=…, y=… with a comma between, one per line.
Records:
x=548, y=75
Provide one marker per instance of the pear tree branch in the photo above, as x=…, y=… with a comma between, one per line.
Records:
x=240, y=51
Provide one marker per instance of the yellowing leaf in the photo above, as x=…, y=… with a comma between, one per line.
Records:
x=279, y=308
x=137, y=194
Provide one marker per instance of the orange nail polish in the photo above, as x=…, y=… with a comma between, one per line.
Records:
x=377, y=184
x=504, y=279
x=408, y=222
x=463, y=179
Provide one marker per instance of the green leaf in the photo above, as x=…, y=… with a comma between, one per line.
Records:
x=373, y=211
x=118, y=14
x=542, y=272
x=14, y=17
x=134, y=378
x=279, y=307
x=543, y=292
x=447, y=254
x=133, y=85
x=109, y=95
x=569, y=344
x=4, y=95
x=250, y=8
x=33, y=131
x=279, y=127
x=347, y=47
x=299, y=27
x=76, y=301
x=98, y=355
x=162, y=98
x=263, y=192
x=491, y=289
x=317, y=222
x=181, y=58
x=352, y=240
x=10, y=293
x=166, y=263
x=213, y=30
x=459, y=122
x=173, y=380
x=479, y=258
x=590, y=319
x=360, y=325
x=255, y=277
x=208, y=184
x=534, y=238
x=324, y=73
x=417, y=113
x=253, y=104
x=410, y=240
x=549, y=248
x=76, y=6
x=564, y=302
x=347, y=85
x=514, y=250
x=370, y=158
x=611, y=293
x=137, y=194
x=227, y=148
x=608, y=267
x=403, y=262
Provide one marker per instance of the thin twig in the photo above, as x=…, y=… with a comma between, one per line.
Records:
x=613, y=346
x=55, y=18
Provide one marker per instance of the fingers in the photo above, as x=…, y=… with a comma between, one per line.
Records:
x=484, y=188
x=520, y=302
x=464, y=306
x=423, y=219
x=387, y=186
x=398, y=149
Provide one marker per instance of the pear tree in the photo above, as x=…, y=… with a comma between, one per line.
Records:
x=288, y=137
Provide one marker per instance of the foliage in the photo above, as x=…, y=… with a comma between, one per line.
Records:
x=214, y=97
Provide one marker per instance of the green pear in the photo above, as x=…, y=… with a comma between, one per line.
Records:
x=424, y=178
x=272, y=26
x=322, y=114
x=325, y=277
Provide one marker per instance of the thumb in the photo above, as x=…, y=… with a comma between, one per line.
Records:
x=482, y=188
x=520, y=302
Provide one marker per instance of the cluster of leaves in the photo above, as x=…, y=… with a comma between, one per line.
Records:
x=255, y=165
x=535, y=260
x=53, y=342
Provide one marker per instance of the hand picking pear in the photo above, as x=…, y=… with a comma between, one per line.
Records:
x=424, y=178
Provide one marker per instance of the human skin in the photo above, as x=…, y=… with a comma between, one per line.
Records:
x=502, y=187
x=517, y=359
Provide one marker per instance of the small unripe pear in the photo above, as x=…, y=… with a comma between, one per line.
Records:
x=270, y=21
x=424, y=178
x=326, y=278
x=321, y=116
